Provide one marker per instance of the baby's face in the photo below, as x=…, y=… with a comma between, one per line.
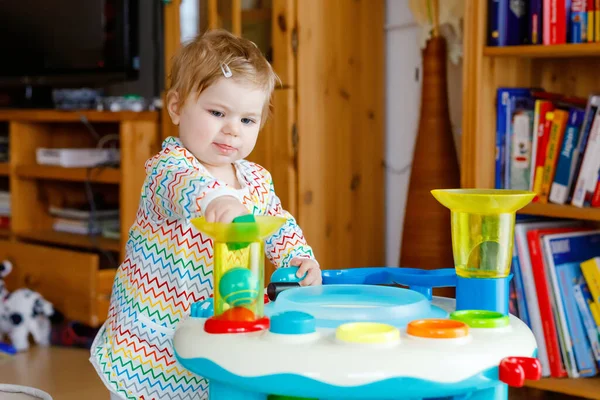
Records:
x=222, y=125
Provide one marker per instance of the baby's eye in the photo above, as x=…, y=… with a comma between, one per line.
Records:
x=216, y=113
x=247, y=121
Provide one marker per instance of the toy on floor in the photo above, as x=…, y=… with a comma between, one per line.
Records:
x=353, y=338
x=23, y=312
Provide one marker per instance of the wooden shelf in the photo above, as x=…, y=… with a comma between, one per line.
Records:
x=588, y=388
x=71, y=240
x=75, y=116
x=97, y=175
x=4, y=169
x=555, y=51
x=560, y=211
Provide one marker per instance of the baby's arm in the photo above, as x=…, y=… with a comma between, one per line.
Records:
x=288, y=243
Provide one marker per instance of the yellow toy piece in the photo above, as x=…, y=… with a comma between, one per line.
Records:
x=483, y=222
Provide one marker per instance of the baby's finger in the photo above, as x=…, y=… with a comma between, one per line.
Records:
x=312, y=277
x=302, y=270
x=295, y=262
x=210, y=216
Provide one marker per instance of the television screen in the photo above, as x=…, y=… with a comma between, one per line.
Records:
x=41, y=38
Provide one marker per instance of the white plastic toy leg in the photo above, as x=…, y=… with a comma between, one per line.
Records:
x=41, y=330
x=221, y=391
x=19, y=337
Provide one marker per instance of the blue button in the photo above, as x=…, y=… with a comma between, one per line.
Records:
x=202, y=309
x=293, y=323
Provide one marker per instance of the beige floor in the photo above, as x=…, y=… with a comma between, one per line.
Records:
x=66, y=374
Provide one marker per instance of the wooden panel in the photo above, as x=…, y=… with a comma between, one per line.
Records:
x=572, y=77
x=275, y=150
x=588, y=388
x=213, y=14
x=139, y=142
x=4, y=169
x=236, y=17
x=341, y=135
x=65, y=278
x=98, y=175
x=172, y=43
x=472, y=68
x=68, y=116
x=29, y=210
x=284, y=34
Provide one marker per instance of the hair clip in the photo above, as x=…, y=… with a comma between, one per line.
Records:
x=226, y=70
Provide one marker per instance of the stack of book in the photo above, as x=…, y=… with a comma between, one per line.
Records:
x=550, y=144
x=543, y=22
x=555, y=290
x=81, y=221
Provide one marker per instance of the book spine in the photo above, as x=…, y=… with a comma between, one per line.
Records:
x=578, y=21
x=493, y=32
x=587, y=319
x=597, y=20
x=562, y=178
x=554, y=143
x=544, y=294
x=535, y=22
x=596, y=196
x=587, y=178
x=591, y=27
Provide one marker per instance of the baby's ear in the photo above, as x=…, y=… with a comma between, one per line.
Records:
x=173, y=106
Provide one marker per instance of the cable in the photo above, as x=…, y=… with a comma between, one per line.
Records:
x=93, y=219
x=93, y=222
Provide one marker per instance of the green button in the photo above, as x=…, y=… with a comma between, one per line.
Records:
x=481, y=318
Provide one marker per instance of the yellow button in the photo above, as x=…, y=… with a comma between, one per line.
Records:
x=367, y=332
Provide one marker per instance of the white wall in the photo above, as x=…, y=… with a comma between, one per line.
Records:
x=403, y=98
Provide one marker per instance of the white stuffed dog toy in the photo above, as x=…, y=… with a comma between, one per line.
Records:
x=23, y=312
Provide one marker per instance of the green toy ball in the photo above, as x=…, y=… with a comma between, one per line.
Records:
x=238, y=287
x=247, y=228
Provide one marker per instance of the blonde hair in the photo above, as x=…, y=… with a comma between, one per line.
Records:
x=199, y=64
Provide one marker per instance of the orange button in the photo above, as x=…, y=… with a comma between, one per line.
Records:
x=437, y=328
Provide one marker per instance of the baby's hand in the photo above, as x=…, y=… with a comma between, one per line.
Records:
x=309, y=267
x=224, y=209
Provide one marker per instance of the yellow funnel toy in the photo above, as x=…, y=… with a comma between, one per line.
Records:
x=483, y=222
x=238, y=271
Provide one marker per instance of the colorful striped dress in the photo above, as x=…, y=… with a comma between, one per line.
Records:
x=168, y=266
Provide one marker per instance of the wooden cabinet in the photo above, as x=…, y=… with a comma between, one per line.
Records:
x=570, y=69
x=324, y=144
x=75, y=272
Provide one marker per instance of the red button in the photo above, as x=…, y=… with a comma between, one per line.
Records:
x=515, y=370
x=215, y=325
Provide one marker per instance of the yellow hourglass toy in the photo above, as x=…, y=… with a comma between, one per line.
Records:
x=482, y=223
x=238, y=272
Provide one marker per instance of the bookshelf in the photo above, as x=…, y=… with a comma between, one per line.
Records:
x=73, y=271
x=571, y=69
x=558, y=51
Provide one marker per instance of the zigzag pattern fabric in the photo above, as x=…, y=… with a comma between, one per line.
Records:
x=168, y=266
